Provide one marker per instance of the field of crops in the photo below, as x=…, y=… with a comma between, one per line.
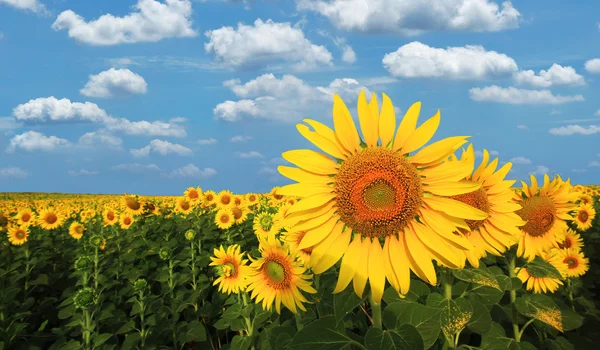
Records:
x=375, y=250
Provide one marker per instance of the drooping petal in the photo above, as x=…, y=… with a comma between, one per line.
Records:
x=451, y=188
x=320, y=141
x=326, y=258
x=439, y=150
x=399, y=259
x=304, y=189
x=319, y=233
x=455, y=208
x=349, y=264
x=362, y=270
x=327, y=133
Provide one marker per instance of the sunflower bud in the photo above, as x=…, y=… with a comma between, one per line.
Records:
x=190, y=234
x=83, y=263
x=84, y=298
x=164, y=253
x=96, y=240
x=140, y=285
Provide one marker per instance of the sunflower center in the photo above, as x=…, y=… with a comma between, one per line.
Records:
x=477, y=199
x=252, y=198
x=209, y=197
x=132, y=203
x=378, y=192
x=266, y=221
x=229, y=270
x=79, y=229
x=275, y=271
x=25, y=217
x=237, y=213
x=127, y=221
x=583, y=216
x=20, y=234
x=225, y=199
x=540, y=214
x=571, y=262
x=566, y=244
x=51, y=218
x=185, y=205
x=193, y=194
x=224, y=218
x=110, y=216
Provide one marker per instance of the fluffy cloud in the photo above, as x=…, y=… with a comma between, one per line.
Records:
x=411, y=17
x=136, y=167
x=251, y=154
x=417, y=60
x=575, y=129
x=8, y=123
x=93, y=139
x=26, y=5
x=114, y=82
x=288, y=99
x=521, y=160
x=209, y=141
x=578, y=171
x=240, y=138
x=192, y=171
x=513, y=95
x=540, y=170
x=556, y=75
x=593, y=66
x=163, y=148
x=34, y=141
x=263, y=44
x=153, y=21
x=12, y=173
x=82, y=172
x=145, y=128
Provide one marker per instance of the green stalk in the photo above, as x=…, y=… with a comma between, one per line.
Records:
x=376, y=311
x=525, y=326
x=87, y=333
x=96, y=270
x=447, y=279
x=570, y=290
x=143, y=331
x=193, y=266
x=27, y=270
x=513, y=298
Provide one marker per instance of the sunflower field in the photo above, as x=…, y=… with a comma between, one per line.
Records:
x=384, y=241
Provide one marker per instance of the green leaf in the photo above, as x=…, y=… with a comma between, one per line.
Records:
x=524, y=345
x=279, y=337
x=196, y=331
x=515, y=283
x=560, y=343
x=426, y=319
x=41, y=280
x=481, y=276
x=485, y=295
x=221, y=324
x=322, y=334
x=232, y=312
x=42, y=326
x=481, y=321
x=126, y=328
x=544, y=309
x=240, y=342
x=406, y=337
x=344, y=303
x=455, y=315
x=131, y=341
x=540, y=268
x=101, y=338
x=496, y=339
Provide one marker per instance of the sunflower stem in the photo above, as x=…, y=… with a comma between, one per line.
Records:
x=447, y=279
x=298, y=319
x=525, y=326
x=513, y=298
x=375, y=311
x=570, y=289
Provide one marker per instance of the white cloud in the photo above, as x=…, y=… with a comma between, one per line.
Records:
x=192, y=171
x=33, y=140
x=556, y=75
x=263, y=44
x=597, y=114
x=575, y=129
x=348, y=54
x=209, y=141
x=521, y=160
x=136, y=167
x=288, y=99
x=26, y=5
x=82, y=172
x=12, y=173
x=101, y=137
x=267, y=171
x=522, y=127
x=145, y=128
x=178, y=120
x=153, y=21
x=251, y=154
x=417, y=60
x=163, y=148
x=240, y=138
x=594, y=163
x=8, y=123
x=540, y=170
x=114, y=83
x=593, y=66
x=412, y=17
x=513, y=95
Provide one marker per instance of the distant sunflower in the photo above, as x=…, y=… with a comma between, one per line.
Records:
x=25, y=217
x=379, y=191
x=240, y=214
x=584, y=214
x=210, y=197
x=238, y=200
x=275, y=194
x=545, y=210
x=542, y=284
x=103, y=244
x=109, y=217
x=569, y=239
x=586, y=199
x=3, y=220
x=277, y=278
x=132, y=204
x=224, y=218
x=125, y=221
x=49, y=218
x=251, y=198
x=183, y=206
x=225, y=199
x=17, y=235
x=232, y=269
x=76, y=230
x=264, y=223
x=574, y=262
x=193, y=194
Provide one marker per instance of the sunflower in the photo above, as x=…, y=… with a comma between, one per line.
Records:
x=264, y=223
x=76, y=230
x=376, y=192
x=542, y=284
x=132, y=204
x=125, y=221
x=569, y=239
x=50, y=218
x=293, y=241
x=238, y=200
x=224, y=218
x=183, y=206
x=251, y=198
x=3, y=220
x=546, y=210
x=574, y=262
x=232, y=269
x=584, y=214
x=277, y=278
x=25, y=217
x=109, y=217
x=193, y=194
x=225, y=199
x=17, y=235
x=586, y=199
x=210, y=197
x=240, y=214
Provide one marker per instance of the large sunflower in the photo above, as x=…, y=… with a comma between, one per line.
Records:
x=584, y=214
x=17, y=235
x=132, y=204
x=50, y=218
x=193, y=194
x=25, y=217
x=76, y=230
x=277, y=278
x=374, y=192
x=546, y=210
x=232, y=269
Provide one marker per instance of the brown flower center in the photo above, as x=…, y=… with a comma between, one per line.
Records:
x=51, y=218
x=277, y=271
x=193, y=194
x=540, y=214
x=132, y=203
x=20, y=234
x=184, y=205
x=225, y=199
x=583, y=216
x=571, y=262
x=127, y=221
x=110, y=216
x=25, y=217
x=477, y=199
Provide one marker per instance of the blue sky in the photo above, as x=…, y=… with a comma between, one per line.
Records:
x=150, y=97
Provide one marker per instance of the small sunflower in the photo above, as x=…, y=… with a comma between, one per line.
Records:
x=569, y=239
x=586, y=199
x=25, y=217
x=183, y=206
x=264, y=223
x=584, y=214
x=210, y=198
x=293, y=240
x=193, y=194
x=224, y=218
x=125, y=221
x=76, y=230
x=132, y=204
x=574, y=262
x=225, y=199
x=232, y=269
x=251, y=198
x=240, y=214
x=17, y=235
x=50, y=218
x=542, y=284
x=277, y=278
x=109, y=217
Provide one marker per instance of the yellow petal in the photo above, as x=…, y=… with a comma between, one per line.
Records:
x=438, y=248
x=376, y=271
x=389, y=269
x=534, y=185
x=304, y=189
x=374, y=107
x=450, y=188
x=326, y=258
x=399, y=259
x=455, y=208
x=439, y=150
x=345, y=130
x=367, y=121
x=483, y=165
x=445, y=228
x=407, y=125
x=311, y=202
x=318, y=234
x=320, y=141
x=311, y=223
x=312, y=161
x=362, y=270
x=295, y=217
x=327, y=133
x=387, y=121
x=301, y=175
x=422, y=134
x=419, y=257
x=349, y=265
